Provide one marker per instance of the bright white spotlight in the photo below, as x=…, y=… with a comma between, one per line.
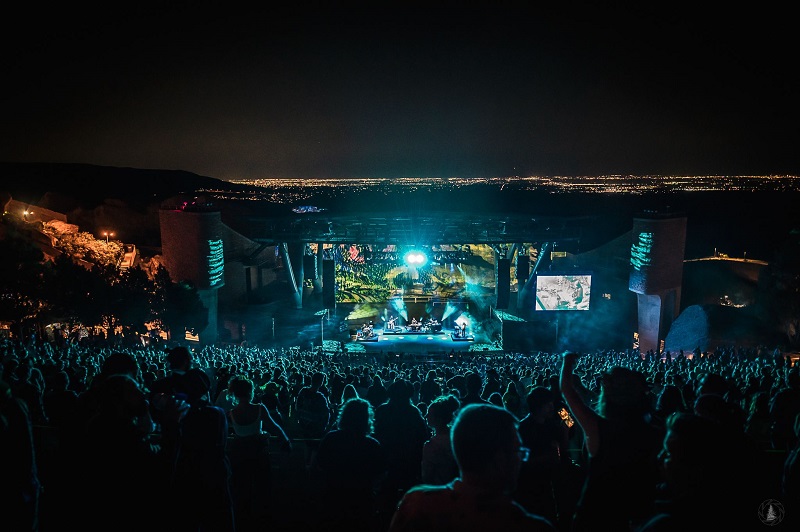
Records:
x=415, y=258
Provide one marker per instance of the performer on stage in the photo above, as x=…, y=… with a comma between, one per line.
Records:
x=390, y=323
x=366, y=330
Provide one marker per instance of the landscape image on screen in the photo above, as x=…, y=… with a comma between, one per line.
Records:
x=556, y=291
x=367, y=273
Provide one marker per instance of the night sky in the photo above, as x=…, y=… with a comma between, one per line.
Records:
x=573, y=89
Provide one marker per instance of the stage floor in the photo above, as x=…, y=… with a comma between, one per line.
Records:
x=415, y=342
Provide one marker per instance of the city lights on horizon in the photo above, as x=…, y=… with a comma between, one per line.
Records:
x=283, y=190
x=598, y=181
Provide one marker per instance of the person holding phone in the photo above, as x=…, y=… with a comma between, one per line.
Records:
x=622, y=448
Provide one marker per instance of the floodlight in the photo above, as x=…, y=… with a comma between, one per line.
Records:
x=415, y=258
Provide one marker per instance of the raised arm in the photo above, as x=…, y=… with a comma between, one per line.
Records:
x=585, y=416
x=269, y=424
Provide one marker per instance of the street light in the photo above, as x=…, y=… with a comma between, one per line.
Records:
x=107, y=234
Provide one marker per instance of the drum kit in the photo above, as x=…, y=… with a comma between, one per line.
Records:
x=366, y=331
x=431, y=325
x=434, y=325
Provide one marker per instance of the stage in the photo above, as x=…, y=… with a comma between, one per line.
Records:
x=405, y=340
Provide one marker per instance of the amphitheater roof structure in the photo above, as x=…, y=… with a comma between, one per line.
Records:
x=418, y=229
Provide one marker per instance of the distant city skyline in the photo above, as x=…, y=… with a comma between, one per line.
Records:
x=615, y=184
x=739, y=215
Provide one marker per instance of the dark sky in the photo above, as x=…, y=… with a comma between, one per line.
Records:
x=576, y=89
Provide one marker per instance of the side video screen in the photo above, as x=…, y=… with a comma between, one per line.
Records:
x=563, y=291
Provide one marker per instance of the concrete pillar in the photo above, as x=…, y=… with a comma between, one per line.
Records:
x=296, y=251
x=656, y=274
x=318, y=277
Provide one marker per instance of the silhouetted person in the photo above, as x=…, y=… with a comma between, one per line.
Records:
x=622, y=447
x=202, y=470
x=784, y=408
x=19, y=477
x=116, y=363
x=402, y=431
x=125, y=480
x=270, y=398
x=705, y=480
x=545, y=434
x=313, y=413
x=28, y=388
x=493, y=384
x=790, y=481
x=60, y=402
x=711, y=382
x=180, y=360
x=473, y=385
x=512, y=401
x=350, y=391
x=487, y=448
x=249, y=450
x=758, y=423
x=376, y=393
x=438, y=463
x=429, y=389
x=668, y=401
x=350, y=463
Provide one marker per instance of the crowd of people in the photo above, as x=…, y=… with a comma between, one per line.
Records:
x=99, y=437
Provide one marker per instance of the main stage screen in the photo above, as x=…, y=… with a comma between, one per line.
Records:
x=563, y=291
x=367, y=273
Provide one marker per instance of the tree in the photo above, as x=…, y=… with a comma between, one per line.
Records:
x=68, y=285
x=183, y=309
x=84, y=245
x=137, y=300
x=83, y=285
x=22, y=274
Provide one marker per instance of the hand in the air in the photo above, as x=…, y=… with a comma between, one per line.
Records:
x=569, y=358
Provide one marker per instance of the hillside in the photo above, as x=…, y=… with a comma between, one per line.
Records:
x=103, y=198
x=87, y=186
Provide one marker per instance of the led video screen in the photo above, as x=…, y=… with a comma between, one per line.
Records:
x=367, y=273
x=563, y=291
